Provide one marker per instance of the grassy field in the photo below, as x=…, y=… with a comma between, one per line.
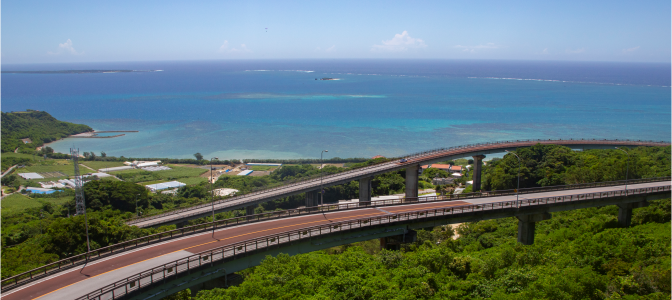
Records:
x=181, y=172
x=186, y=175
x=16, y=202
x=193, y=180
x=51, y=165
x=130, y=171
x=262, y=168
x=22, y=155
x=187, y=181
x=102, y=164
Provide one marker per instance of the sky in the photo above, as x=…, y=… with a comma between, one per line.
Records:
x=107, y=31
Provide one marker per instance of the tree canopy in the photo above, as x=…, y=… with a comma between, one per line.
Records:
x=547, y=165
x=39, y=126
x=578, y=254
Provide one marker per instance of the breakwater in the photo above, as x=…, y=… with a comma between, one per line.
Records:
x=94, y=135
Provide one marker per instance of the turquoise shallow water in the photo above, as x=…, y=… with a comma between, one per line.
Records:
x=228, y=110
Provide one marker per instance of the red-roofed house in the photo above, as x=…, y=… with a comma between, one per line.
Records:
x=378, y=156
x=441, y=167
x=456, y=169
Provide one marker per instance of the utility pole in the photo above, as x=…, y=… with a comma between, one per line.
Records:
x=627, y=168
x=212, y=195
x=321, y=189
x=136, y=205
x=79, y=197
x=519, y=163
x=41, y=216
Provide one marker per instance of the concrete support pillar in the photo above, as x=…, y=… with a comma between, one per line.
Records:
x=625, y=212
x=249, y=210
x=312, y=198
x=412, y=181
x=478, y=164
x=394, y=242
x=221, y=282
x=526, y=224
x=365, y=189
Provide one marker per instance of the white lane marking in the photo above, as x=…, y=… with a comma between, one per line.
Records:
x=386, y=212
x=470, y=201
x=84, y=286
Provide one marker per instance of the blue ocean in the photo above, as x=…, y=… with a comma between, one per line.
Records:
x=277, y=109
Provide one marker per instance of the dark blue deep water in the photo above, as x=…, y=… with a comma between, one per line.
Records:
x=276, y=109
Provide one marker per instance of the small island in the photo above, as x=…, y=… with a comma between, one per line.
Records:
x=327, y=78
x=77, y=71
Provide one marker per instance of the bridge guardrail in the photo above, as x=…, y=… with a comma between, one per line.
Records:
x=413, y=156
x=483, y=194
x=208, y=258
x=260, y=192
x=70, y=262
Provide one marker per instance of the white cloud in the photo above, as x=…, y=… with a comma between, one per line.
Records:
x=65, y=47
x=242, y=49
x=399, y=43
x=577, y=51
x=330, y=49
x=630, y=50
x=224, y=46
x=472, y=49
x=545, y=51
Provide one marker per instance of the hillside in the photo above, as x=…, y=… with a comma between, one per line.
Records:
x=39, y=126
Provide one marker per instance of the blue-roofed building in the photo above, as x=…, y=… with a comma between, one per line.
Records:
x=36, y=190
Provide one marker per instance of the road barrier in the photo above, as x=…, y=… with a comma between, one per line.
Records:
x=207, y=259
x=70, y=262
x=411, y=159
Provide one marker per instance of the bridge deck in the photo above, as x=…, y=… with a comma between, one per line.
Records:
x=78, y=281
x=340, y=178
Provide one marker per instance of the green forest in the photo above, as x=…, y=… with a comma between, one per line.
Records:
x=548, y=165
x=47, y=233
x=39, y=126
x=580, y=254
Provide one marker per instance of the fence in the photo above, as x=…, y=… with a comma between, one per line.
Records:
x=206, y=259
x=43, y=271
x=414, y=158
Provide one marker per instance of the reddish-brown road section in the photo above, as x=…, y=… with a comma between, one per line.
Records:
x=204, y=242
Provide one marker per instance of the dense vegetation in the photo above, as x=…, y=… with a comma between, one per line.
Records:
x=39, y=126
x=547, y=165
x=38, y=236
x=577, y=254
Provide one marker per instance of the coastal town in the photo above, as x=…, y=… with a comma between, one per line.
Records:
x=51, y=177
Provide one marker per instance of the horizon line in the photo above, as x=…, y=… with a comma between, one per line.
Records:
x=341, y=59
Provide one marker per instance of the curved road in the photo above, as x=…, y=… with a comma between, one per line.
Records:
x=345, y=177
x=75, y=282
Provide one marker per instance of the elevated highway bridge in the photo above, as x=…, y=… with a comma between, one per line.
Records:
x=159, y=265
x=155, y=266
x=411, y=163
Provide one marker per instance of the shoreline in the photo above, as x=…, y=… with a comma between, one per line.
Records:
x=87, y=135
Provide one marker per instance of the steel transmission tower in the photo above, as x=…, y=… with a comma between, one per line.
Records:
x=79, y=194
